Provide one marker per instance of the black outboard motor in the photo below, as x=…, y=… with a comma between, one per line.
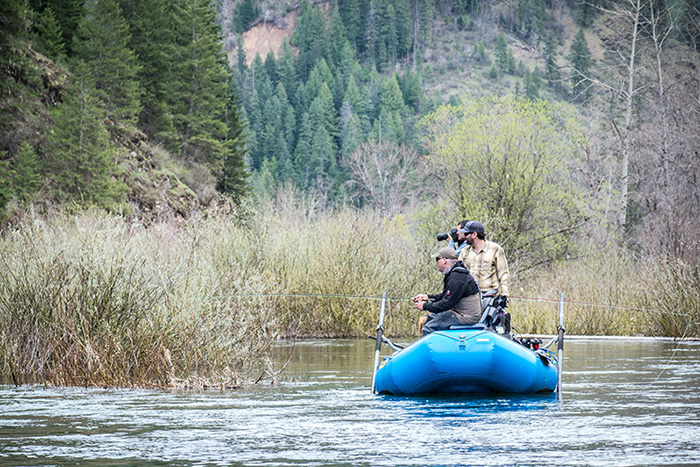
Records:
x=494, y=314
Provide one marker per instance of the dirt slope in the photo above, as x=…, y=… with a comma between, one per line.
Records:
x=266, y=36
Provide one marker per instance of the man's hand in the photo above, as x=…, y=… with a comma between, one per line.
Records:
x=420, y=298
x=418, y=305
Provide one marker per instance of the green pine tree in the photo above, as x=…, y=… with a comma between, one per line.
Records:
x=301, y=160
x=312, y=38
x=49, y=35
x=322, y=159
x=320, y=75
x=102, y=43
x=581, y=63
x=531, y=16
x=233, y=180
x=350, y=12
x=552, y=72
x=271, y=67
x=286, y=68
x=352, y=134
x=246, y=13
x=241, y=61
x=79, y=157
x=5, y=191
x=25, y=173
x=389, y=36
x=68, y=15
x=153, y=41
x=200, y=85
x=501, y=51
x=585, y=12
x=322, y=111
x=19, y=76
x=390, y=95
x=404, y=29
x=372, y=32
x=337, y=35
x=411, y=89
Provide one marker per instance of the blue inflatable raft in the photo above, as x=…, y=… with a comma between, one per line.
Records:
x=466, y=361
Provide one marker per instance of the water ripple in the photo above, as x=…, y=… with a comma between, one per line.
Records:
x=614, y=412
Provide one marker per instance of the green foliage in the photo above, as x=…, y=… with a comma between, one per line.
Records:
x=5, y=191
x=581, y=62
x=479, y=53
x=68, y=14
x=246, y=12
x=198, y=95
x=153, y=41
x=49, y=35
x=504, y=56
x=312, y=38
x=102, y=44
x=533, y=83
x=508, y=162
x=493, y=72
x=233, y=180
x=531, y=16
x=79, y=155
x=411, y=89
x=20, y=80
x=586, y=12
x=25, y=173
x=552, y=73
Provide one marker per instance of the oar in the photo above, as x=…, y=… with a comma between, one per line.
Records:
x=560, y=346
x=378, y=347
x=385, y=340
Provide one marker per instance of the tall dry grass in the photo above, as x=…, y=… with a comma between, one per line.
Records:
x=612, y=293
x=96, y=300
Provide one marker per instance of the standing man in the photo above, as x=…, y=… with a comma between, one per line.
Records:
x=458, y=303
x=461, y=241
x=485, y=260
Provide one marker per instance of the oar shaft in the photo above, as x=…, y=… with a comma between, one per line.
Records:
x=560, y=345
x=378, y=347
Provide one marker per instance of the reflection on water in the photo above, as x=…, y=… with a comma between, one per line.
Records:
x=624, y=403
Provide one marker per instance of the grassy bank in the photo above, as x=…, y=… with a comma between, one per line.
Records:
x=96, y=300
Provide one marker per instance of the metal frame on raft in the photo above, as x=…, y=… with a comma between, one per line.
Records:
x=559, y=338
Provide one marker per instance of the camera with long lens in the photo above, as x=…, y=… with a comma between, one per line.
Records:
x=443, y=236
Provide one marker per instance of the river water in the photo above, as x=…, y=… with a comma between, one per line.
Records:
x=624, y=402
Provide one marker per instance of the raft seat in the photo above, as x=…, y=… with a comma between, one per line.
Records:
x=469, y=326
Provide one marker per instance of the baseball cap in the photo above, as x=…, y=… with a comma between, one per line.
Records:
x=447, y=253
x=473, y=226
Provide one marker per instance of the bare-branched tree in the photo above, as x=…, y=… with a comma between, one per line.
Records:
x=381, y=174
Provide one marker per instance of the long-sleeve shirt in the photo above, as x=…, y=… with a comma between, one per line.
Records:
x=458, y=248
x=489, y=267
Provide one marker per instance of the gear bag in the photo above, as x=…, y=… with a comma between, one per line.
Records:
x=494, y=314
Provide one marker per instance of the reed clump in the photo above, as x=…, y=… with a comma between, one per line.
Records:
x=96, y=301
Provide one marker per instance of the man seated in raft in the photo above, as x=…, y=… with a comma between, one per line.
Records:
x=459, y=302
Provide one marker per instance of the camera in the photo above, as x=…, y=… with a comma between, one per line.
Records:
x=443, y=236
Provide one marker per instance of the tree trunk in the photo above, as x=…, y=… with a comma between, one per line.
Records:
x=629, y=101
x=658, y=37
